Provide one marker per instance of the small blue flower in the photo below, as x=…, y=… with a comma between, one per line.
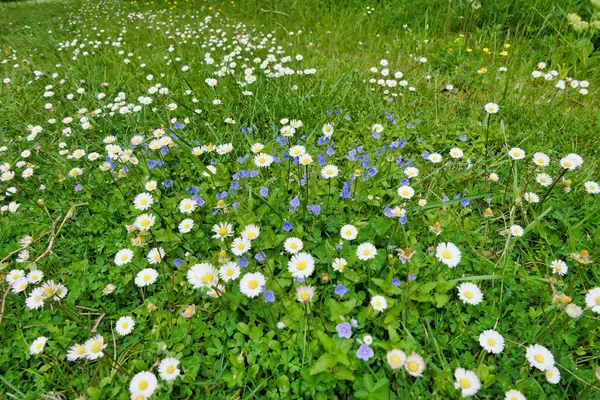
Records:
x=168, y=183
x=78, y=187
x=177, y=262
x=364, y=352
x=465, y=202
x=242, y=262
x=412, y=277
x=260, y=256
x=287, y=226
x=344, y=330
x=179, y=126
x=463, y=138
x=340, y=290
x=264, y=192
x=396, y=282
x=269, y=296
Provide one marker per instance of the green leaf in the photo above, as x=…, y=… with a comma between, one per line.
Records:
x=324, y=362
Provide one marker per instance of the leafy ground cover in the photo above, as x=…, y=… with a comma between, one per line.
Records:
x=308, y=199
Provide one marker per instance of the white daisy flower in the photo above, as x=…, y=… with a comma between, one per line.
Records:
x=339, y=264
x=553, y=375
x=252, y=284
x=146, y=277
x=396, y=358
x=470, y=293
x=94, y=347
x=124, y=326
x=592, y=299
x=186, y=225
x=448, y=254
x=240, y=246
x=123, y=256
x=167, y=369
x=491, y=341
x=406, y=192
x=37, y=346
x=143, y=201
x=366, y=251
x=559, y=267
x=301, y=265
x=293, y=245
x=143, y=384
x=156, y=255
x=229, y=271
x=379, y=303
x=539, y=357
x=349, y=232
x=516, y=153
x=467, y=381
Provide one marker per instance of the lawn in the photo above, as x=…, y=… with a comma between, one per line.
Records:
x=299, y=199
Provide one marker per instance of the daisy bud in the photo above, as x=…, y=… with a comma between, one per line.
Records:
x=488, y=212
x=324, y=278
x=109, y=289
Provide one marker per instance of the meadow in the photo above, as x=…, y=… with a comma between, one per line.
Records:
x=299, y=199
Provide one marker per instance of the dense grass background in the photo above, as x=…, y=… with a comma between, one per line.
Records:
x=227, y=350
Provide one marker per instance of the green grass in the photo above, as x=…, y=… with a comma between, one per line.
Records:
x=232, y=346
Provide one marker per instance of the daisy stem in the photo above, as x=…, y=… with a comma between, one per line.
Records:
x=487, y=135
x=551, y=187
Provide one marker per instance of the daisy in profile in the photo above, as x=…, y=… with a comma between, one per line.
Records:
x=349, y=232
x=448, y=254
x=240, y=246
x=539, y=357
x=229, y=271
x=123, y=257
x=156, y=255
x=573, y=310
x=531, y=197
x=94, y=347
x=144, y=222
x=329, y=171
x=553, y=375
x=301, y=265
x=467, y=381
x=202, y=275
x=379, y=303
x=146, y=277
x=491, y=108
x=592, y=187
x=592, y=300
x=491, y=341
x=396, y=359
x=414, y=365
x=305, y=294
x=222, y=231
x=186, y=225
x=252, y=284
x=339, y=264
x=516, y=153
x=37, y=346
x=366, y=251
x=143, y=201
x=559, y=267
x=167, y=369
x=293, y=245
x=187, y=206
x=76, y=352
x=514, y=394
x=541, y=159
x=143, y=384
x=469, y=293
x=124, y=326
x=406, y=192
x=250, y=232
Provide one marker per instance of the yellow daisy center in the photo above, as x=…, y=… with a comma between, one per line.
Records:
x=305, y=296
x=598, y=300
x=170, y=369
x=146, y=277
x=491, y=341
x=446, y=254
x=464, y=383
x=539, y=358
x=469, y=294
x=253, y=284
x=125, y=325
x=143, y=385
x=395, y=360
x=207, y=278
x=412, y=366
x=96, y=347
x=302, y=265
